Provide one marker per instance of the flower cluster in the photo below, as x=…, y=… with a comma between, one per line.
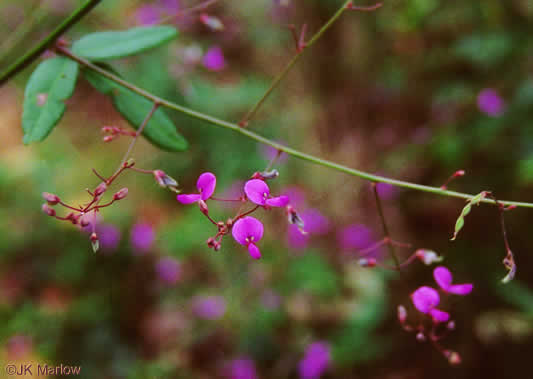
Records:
x=245, y=229
x=426, y=299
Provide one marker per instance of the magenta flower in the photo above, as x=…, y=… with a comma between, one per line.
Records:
x=109, y=236
x=296, y=195
x=241, y=368
x=258, y=193
x=214, y=59
x=490, y=102
x=147, y=15
x=426, y=299
x=443, y=277
x=168, y=270
x=355, y=237
x=206, y=186
x=209, y=307
x=142, y=237
x=316, y=361
x=247, y=231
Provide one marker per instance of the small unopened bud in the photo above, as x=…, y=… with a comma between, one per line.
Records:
x=129, y=163
x=453, y=357
x=108, y=138
x=50, y=198
x=121, y=194
x=229, y=223
x=203, y=207
x=73, y=218
x=459, y=173
x=450, y=325
x=95, y=243
x=49, y=211
x=84, y=223
x=428, y=256
x=266, y=175
x=102, y=187
x=421, y=337
x=295, y=219
x=402, y=314
x=217, y=246
x=165, y=181
x=211, y=22
x=211, y=242
x=367, y=262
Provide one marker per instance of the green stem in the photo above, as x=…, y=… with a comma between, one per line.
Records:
x=292, y=62
x=29, y=57
x=295, y=153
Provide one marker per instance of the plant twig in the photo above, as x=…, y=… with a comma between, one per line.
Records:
x=293, y=152
x=29, y=57
x=385, y=228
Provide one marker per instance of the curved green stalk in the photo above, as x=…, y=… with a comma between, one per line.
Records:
x=295, y=153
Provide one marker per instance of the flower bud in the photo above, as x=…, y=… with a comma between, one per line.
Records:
x=203, y=207
x=450, y=325
x=50, y=198
x=95, y=243
x=428, y=256
x=102, y=187
x=402, y=314
x=211, y=242
x=211, y=22
x=121, y=194
x=49, y=211
x=108, y=138
x=165, y=181
x=295, y=219
x=84, y=223
x=421, y=337
x=129, y=163
x=367, y=262
x=265, y=175
x=73, y=218
x=453, y=357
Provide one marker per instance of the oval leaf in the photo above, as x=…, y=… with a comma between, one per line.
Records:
x=104, y=46
x=51, y=83
x=160, y=130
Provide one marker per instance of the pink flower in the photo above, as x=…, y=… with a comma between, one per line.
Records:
x=247, y=231
x=258, y=193
x=315, y=223
x=206, y=186
x=443, y=277
x=214, y=59
x=490, y=102
x=316, y=361
x=426, y=299
x=209, y=307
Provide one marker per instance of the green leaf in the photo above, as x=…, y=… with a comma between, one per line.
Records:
x=160, y=130
x=104, y=46
x=466, y=210
x=50, y=84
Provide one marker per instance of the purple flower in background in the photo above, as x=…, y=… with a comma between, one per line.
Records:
x=425, y=299
x=214, y=59
x=168, y=270
x=247, y=231
x=314, y=223
x=270, y=299
x=241, y=368
x=142, y=237
x=355, y=237
x=18, y=346
x=109, y=236
x=170, y=6
x=490, y=102
x=444, y=279
x=206, y=186
x=147, y=15
x=258, y=193
x=316, y=360
x=209, y=307
x=386, y=191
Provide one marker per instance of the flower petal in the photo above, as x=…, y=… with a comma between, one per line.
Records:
x=280, y=201
x=461, y=289
x=425, y=299
x=206, y=184
x=443, y=277
x=247, y=227
x=188, y=199
x=257, y=191
x=254, y=251
x=439, y=316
